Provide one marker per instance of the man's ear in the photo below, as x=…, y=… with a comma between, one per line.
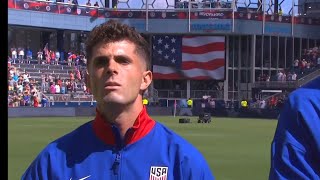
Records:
x=87, y=79
x=146, y=80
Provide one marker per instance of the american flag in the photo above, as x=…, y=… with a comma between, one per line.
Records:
x=188, y=57
x=46, y=50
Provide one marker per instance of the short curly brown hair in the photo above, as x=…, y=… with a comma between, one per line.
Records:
x=113, y=31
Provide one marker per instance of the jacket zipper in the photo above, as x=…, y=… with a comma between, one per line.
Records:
x=120, y=143
x=116, y=163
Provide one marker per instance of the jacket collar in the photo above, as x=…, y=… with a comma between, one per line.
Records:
x=109, y=133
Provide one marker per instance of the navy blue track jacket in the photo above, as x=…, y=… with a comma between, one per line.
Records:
x=95, y=151
x=296, y=144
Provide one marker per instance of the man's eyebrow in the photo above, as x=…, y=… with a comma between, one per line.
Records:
x=100, y=58
x=123, y=56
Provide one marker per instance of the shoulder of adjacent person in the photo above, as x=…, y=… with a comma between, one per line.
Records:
x=307, y=95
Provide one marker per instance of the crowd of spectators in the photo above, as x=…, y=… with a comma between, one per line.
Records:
x=21, y=55
x=23, y=90
x=47, y=56
x=26, y=91
x=275, y=102
x=310, y=60
x=51, y=84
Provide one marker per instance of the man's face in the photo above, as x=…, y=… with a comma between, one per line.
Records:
x=117, y=74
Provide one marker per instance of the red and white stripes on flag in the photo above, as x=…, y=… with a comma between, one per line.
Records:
x=203, y=57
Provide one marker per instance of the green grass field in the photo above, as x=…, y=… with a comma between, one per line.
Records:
x=234, y=148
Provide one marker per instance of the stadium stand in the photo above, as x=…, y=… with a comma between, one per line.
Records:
x=63, y=81
x=309, y=63
x=29, y=82
x=268, y=56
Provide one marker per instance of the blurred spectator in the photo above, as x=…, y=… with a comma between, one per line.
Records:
x=262, y=104
x=26, y=98
x=43, y=82
x=289, y=77
x=29, y=55
x=52, y=57
x=78, y=74
x=39, y=56
x=296, y=63
x=71, y=75
x=35, y=100
x=52, y=88
x=74, y=86
x=212, y=103
x=84, y=86
x=59, y=81
x=21, y=55
x=26, y=77
x=44, y=101
x=88, y=3
x=96, y=4
x=279, y=76
x=63, y=88
x=14, y=54
x=57, y=87
x=57, y=57
x=70, y=57
x=75, y=2
x=84, y=60
x=280, y=13
x=294, y=76
x=68, y=84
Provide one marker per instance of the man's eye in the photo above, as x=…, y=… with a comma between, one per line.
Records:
x=100, y=63
x=123, y=61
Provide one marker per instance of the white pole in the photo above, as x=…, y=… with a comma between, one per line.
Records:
x=147, y=15
x=233, y=6
x=175, y=108
x=263, y=16
x=292, y=18
x=189, y=16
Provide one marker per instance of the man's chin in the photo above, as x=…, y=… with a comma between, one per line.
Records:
x=113, y=101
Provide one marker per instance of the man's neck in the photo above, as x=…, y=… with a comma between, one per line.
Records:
x=123, y=117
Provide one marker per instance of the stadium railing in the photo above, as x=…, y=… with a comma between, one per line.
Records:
x=169, y=93
x=308, y=77
x=287, y=84
x=72, y=97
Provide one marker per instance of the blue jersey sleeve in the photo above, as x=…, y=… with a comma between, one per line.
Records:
x=46, y=165
x=194, y=167
x=38, y=169
x=295, y=150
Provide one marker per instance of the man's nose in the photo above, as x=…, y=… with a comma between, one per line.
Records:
x=112, y=67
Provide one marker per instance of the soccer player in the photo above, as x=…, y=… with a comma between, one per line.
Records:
x=296, y=144
x=123, y=141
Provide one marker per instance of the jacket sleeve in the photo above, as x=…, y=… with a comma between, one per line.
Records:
x=39, y=169
x=292, y=151
x=195, y=167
